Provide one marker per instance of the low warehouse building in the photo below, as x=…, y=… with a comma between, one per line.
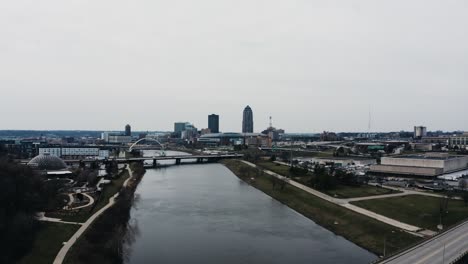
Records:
x=425, y=165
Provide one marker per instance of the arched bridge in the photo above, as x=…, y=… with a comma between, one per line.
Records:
x=145, y=139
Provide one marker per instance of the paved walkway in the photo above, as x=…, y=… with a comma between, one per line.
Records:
x=91, y=202
x=72, y=199
x=67, y=245
x=43, y=218
x=403, y=191
x=343, y=202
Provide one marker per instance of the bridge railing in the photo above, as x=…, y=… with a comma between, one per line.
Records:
x=422, y=242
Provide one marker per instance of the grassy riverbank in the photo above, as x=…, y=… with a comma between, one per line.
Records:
x=103, y=241
x=418, y=210
x=364, y=231
x=340, y=191
x=48, y=241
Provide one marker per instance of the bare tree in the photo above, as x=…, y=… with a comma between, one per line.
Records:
x=462, y=184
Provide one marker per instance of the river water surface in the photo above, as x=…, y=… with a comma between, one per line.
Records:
x=205, y=214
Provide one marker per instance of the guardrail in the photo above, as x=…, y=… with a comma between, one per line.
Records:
x=422, y=243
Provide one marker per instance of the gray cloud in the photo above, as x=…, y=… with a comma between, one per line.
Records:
x=312, y=65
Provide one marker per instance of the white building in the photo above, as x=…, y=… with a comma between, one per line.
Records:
x=460, y=141
x=119, y=139
x=429, y=164
x=420, y=131
x=75, y=152
x=115, y=138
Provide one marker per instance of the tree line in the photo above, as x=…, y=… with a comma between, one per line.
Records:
x=23, y=193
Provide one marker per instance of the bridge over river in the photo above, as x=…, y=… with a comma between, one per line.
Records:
x=177, y=158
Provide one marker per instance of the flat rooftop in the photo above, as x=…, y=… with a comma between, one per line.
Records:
x=413, y=156
x=345, y=158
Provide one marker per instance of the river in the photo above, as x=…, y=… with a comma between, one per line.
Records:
x=205, y=214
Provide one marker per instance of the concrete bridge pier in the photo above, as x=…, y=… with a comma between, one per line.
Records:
x=213, y=159
x=177, y=161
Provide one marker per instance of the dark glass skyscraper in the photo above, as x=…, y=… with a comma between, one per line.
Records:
x=247, y=121
x=213, y=123
x=128, y=130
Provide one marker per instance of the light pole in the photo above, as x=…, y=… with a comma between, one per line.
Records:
x=291, y=154
x=443, y=255
x=443, y=252
x=385, y=244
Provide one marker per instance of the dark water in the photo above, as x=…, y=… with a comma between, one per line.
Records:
x=205, y=214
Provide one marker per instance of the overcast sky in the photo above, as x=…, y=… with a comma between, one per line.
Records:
x=312, y=65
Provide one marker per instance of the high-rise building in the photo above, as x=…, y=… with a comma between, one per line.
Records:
x=213, y=123
x=247, y=120
x=179, y=127
x=419, y=132
x=128, y=130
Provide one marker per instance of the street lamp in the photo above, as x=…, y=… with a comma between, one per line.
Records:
x=443, y=252
x=385, y=244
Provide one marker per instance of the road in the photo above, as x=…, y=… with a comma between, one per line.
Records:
x=66, y=247
x=444, y=248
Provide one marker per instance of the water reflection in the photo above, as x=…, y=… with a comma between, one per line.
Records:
x=204, y=214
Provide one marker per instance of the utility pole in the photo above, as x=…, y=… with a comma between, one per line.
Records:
x=443, y=255
x=291, y=155
x=384, y=245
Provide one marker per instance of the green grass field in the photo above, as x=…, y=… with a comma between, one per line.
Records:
x=362, y=230
x=48, y=242
x=418, y=210
x=343, y=191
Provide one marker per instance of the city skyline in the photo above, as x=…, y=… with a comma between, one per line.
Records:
x=323, y=62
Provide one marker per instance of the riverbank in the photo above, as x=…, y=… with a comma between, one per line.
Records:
x=361, y=230
x=109, y=230
x=48, y=242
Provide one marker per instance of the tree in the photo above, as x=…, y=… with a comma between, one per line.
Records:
x=92, y=178
x=285, y=156
x=273, y=157
x=21, y=197
x=462, y=184
x=465, y=198
x=274, y=181
x=322, y=180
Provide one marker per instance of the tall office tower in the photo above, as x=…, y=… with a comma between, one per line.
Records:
x=213, y=123
x=128, y=130
x=179, y=127
x=247, y=121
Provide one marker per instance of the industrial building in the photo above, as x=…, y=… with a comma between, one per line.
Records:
x=250, y=139
x=422, y=165
x=459, y=141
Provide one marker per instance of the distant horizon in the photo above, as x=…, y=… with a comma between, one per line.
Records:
x=169, y=131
